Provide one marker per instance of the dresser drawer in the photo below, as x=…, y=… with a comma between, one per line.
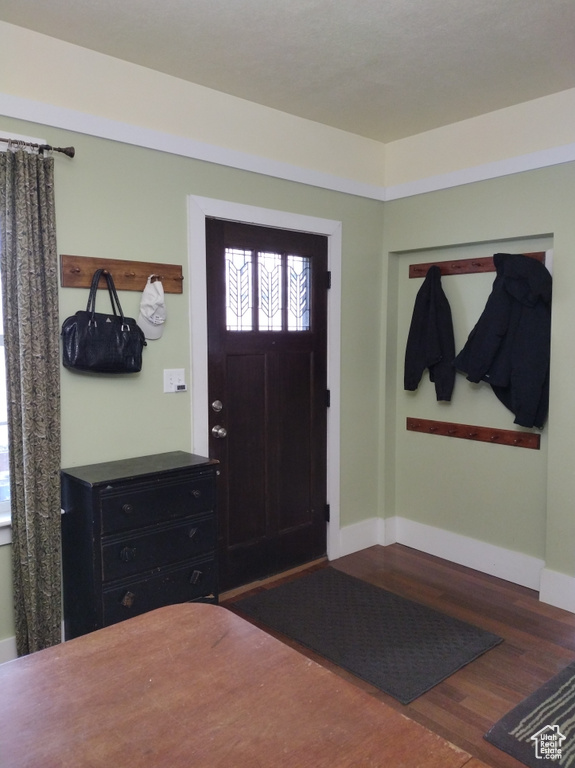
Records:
x=192, y=581
x=140, y=551
x=144, y=504
x=137, y=534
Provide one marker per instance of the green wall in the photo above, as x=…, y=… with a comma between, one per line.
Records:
x=517, y=499
x=474, y=489
x=119, y=201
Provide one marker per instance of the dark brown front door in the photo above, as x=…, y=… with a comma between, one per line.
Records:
x=267, y=350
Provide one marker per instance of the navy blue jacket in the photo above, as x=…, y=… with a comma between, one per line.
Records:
x=509, y=347
x=430, y=343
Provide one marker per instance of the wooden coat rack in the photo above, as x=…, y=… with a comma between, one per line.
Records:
x=472, y=432
x=465, y=266
x=77, y=272
x=469, y=431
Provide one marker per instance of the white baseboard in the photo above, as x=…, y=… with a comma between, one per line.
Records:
x=557, y=589
x=463, y=550
x=554, y=588
x=354, y=538
x=7, y=649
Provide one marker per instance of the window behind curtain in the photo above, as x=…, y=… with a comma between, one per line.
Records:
x=4, y=462
x=5, y=514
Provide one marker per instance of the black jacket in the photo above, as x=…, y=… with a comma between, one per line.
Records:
x=430, y=343
x=509, y=347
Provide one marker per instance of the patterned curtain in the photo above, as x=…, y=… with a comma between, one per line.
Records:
x=28, y=266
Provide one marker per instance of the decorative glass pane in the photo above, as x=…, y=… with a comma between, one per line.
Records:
x=239, y=291
x=270, y=277
x=299, y=289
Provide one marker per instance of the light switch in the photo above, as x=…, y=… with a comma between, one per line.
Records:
x=174, y=380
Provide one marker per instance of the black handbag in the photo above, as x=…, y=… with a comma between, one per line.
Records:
x=93, y=341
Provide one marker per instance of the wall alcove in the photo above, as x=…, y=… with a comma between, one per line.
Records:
x=475, y=487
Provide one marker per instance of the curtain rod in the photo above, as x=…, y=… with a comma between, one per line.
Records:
x=69, y=151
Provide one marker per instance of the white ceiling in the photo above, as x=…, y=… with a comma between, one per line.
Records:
x=385, y=69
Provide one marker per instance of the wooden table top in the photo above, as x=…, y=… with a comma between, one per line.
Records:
x=196, y=686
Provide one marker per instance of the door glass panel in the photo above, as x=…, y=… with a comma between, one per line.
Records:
x=282, y=284
x=270, y=291
x=239, y=290
x=298, y=269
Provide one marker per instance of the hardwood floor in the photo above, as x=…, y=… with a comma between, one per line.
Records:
x=539, y=641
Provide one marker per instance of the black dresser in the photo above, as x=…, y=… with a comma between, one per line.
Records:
x=137, y=534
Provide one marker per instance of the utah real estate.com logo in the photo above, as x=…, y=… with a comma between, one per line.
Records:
x=547, y=743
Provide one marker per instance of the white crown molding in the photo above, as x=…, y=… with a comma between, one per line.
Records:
x=101, y=127
x=493, y=170
x=105, y=128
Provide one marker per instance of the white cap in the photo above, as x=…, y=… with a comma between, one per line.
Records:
x=152, y=309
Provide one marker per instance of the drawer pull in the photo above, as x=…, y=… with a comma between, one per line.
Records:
x=196, y=494
x=192, y=532
x=128, y=599
x=127, y=509
x=128, y=554
x=196, y=577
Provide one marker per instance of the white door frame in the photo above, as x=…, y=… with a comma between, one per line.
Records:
x=199, y=208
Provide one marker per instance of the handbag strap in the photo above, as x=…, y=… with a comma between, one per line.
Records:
x=115, y=301
x=113, y=293
x=90, y=306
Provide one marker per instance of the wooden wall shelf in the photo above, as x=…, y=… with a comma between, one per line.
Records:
x=77, y=272
x=465, y=266
x=471, y=432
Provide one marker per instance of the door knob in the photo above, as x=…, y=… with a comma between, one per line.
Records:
x=219, y=431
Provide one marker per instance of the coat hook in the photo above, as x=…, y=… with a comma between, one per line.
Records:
x=472, y=432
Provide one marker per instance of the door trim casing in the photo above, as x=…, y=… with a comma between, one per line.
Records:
x=199, y=208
